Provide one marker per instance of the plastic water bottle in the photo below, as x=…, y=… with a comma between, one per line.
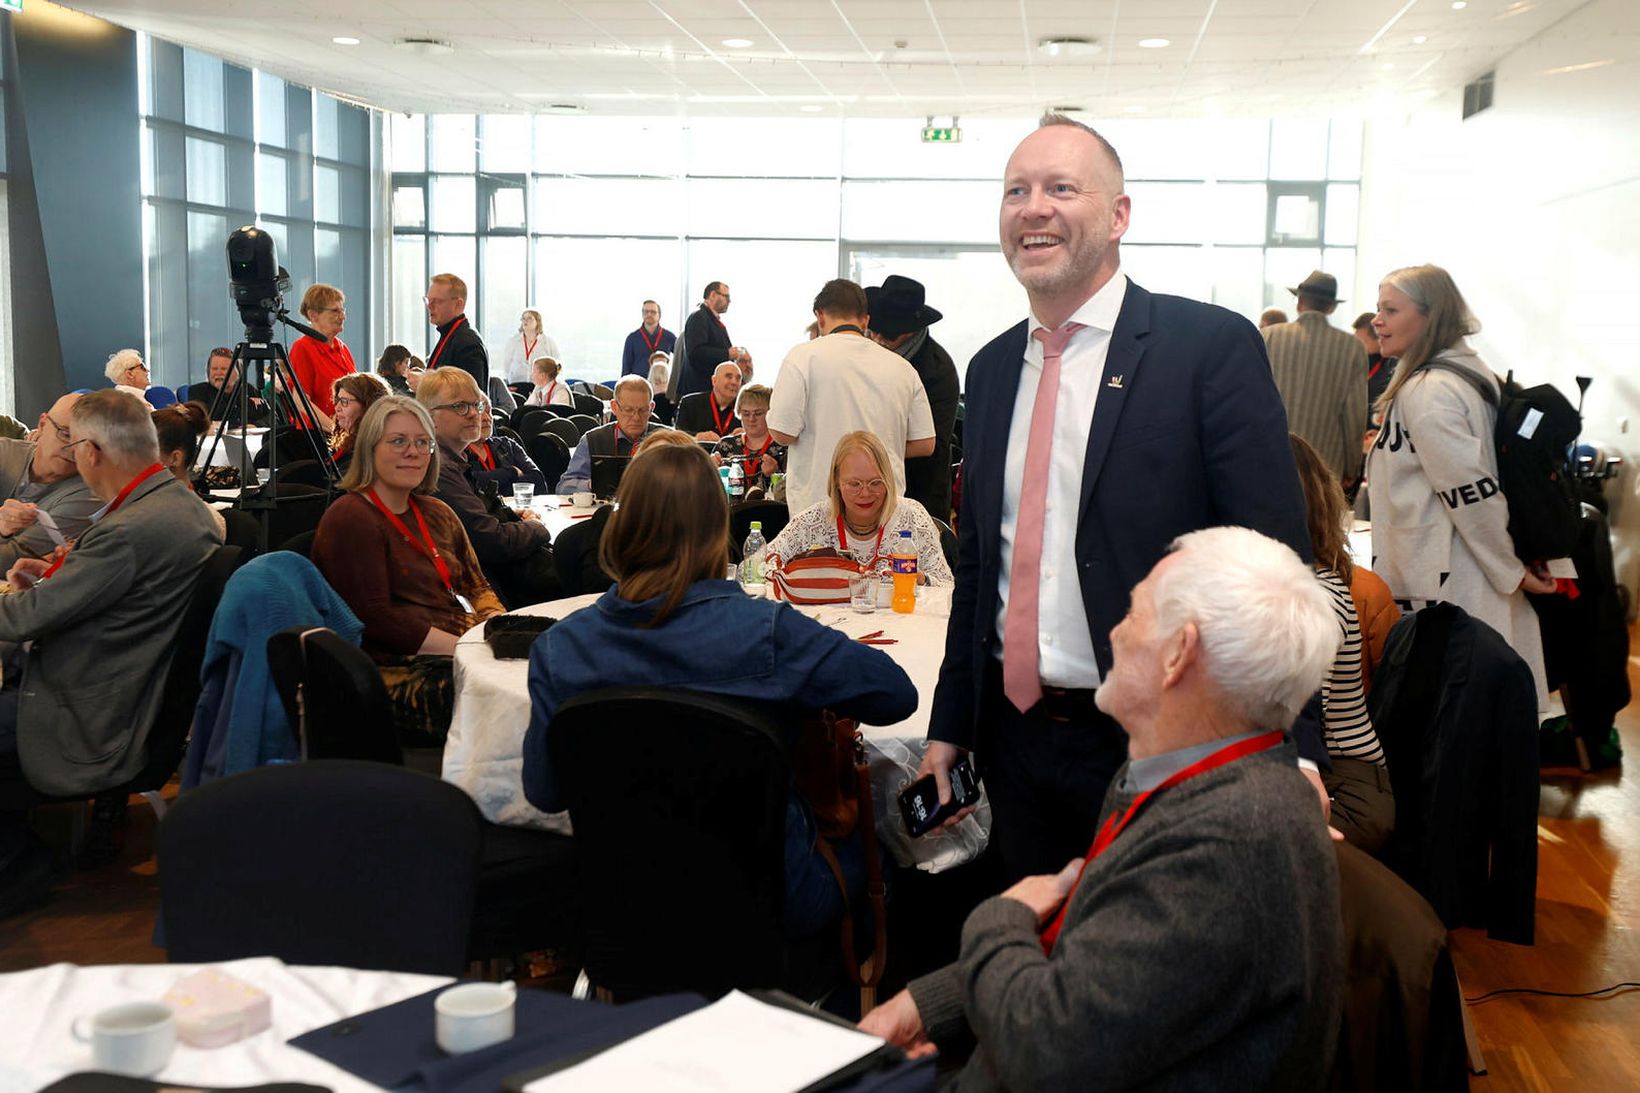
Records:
x=723, y=476
x=737, y=483
x=903, y=563
x=753, y=555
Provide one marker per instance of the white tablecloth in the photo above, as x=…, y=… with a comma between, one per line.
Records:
x=37, y=1048
x=234, y=441
x=484, y=752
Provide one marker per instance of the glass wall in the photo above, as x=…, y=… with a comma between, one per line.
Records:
x=224, y=147
x=584, y=218
x=8, y=385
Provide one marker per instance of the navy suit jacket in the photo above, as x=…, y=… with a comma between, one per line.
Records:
x=1188, y=432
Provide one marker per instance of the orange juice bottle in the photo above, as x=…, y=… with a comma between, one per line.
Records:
x=903, y=563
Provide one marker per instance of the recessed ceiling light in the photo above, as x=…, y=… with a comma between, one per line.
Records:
x=1069, y=47
x=1419, y=39
x=738, y=43
x=426, y=47
x=1154, y=43
x=344, y=41
x=1459, y=5
x=811, y=109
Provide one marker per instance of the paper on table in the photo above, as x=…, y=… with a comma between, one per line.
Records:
x=43, y=518
x=735, y=1045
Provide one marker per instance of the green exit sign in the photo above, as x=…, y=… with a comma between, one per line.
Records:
x=12, y=5
x=931, y=134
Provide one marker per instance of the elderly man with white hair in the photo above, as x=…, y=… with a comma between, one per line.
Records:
x=1198, y=943
x=127, y=372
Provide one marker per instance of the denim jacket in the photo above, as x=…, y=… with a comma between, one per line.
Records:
x=718, y=641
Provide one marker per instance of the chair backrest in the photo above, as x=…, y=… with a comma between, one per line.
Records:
x=168, y=739
x=584, y=422
x=160, y=397
x=774, y=516
x=353, y=864
x=301, y=543
x=605, y=391
x=528, y=424
x=564, y=428
x=575, y=553
x=522, y=390
x=948, y=541
x=510, y=433
x=688, y=795
x=589, y=404
x=334, y=693
x=559, y=410
x=303, y=472
x=300, y=508
x=244, y=531
x=551, y=454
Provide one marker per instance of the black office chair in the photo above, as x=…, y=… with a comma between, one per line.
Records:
x=774, y=516
x=244, y=531
x=345, y=863
x=303, y=472
x=948, y=541
x=565, y=429
x=556, y=410
x=526, y=422
x=584, y=422
x=590, y=404
x=300, y=543
x=551, y=454
x=689, y=794
x=335, y=700
x=510, y=434
x=300, y=508
x=575, y=553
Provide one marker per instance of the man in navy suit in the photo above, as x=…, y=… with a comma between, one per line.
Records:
x=1165, y=420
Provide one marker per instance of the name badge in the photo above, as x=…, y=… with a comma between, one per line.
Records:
x=463, y=603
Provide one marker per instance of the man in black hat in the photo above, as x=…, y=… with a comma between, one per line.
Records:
x=1321, y=372
x=899, y=321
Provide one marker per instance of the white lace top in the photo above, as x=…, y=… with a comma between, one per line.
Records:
x=816, y=526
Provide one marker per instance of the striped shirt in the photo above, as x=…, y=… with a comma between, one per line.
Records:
x=1321, y=372
x=1347, y=727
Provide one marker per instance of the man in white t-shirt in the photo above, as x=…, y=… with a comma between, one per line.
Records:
x=840, y=382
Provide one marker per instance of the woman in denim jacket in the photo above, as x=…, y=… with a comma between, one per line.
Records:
x=664, y=623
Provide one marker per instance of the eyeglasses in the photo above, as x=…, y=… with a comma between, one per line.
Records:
x=398, y=442
x=632, y=410
x=436, y=299
x=855, y=485
x=139, y=366
x=465, y=408
x=744, y=414
x=346, y=400
x=337, y=310
x=82, y=440
x=62, y=434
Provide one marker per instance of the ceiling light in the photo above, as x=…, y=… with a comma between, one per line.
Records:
x=1066, y=109
x=426, y=47
x=1459, y=5
x=344, y=41
x=1154, y=43
x=738, y=43
x=1389, y=66
x=1419, y=39
x=811, y=109
x=1069, y=47
x=1584, y=67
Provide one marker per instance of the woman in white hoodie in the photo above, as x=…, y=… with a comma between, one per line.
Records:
x=1440, y=524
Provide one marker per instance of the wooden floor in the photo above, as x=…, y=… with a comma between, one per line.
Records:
x=1588, y=932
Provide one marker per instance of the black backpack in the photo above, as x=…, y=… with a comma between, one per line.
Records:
x=1536, y=427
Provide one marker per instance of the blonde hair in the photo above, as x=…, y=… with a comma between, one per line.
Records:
x=1436, y=296
x=661, y=437
x=319, y=297
x=457, y=287
x=862, y=441
x=442, y=384
x=546, y=365
x=361, y=472
x=756, y=393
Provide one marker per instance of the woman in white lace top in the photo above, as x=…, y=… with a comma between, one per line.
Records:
x=862, y=517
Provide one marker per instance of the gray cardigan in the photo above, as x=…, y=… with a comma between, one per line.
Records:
x=69, y=502
x=1202, y=950
x=103, y=628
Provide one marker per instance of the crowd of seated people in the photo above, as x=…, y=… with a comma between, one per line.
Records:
x=501, y=460
x=579, y=548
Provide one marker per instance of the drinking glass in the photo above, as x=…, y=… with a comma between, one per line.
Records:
x=862, y=592
x=523, y=494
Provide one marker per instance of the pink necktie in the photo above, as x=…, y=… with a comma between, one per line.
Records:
x=1021, y=680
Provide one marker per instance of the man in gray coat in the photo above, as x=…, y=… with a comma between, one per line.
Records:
x=1321, y=372
x=1200, y=944
x=102, y=618
x=38, y=477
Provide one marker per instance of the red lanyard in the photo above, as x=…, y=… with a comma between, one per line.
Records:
x=529, y=349
x=842, y=542
x=550, y=390
x=426, y=547
x=119, y=499
x=754, y=463
x=1374, y=370
x=1113, y=825
x=651, y=345
x=722, y=421
x=432, y=362
x=486, y=458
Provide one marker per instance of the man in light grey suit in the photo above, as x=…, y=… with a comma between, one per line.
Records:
x=102, y=618
x=1321, y=372
x=39, y=476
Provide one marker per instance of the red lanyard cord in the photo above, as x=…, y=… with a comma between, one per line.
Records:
x=426, y=546
x=753, y=463
x=1114, y=825
x=723, y=420
x=119, y=499
x=876, y=551
x=438, y=350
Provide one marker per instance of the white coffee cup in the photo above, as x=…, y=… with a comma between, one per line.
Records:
x=583, y=499
x=474, y=1015
x=135, y=1039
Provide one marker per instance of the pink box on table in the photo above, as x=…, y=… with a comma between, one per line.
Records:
x=213, y=1008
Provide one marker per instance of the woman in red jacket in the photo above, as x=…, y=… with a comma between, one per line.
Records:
x=318, y=365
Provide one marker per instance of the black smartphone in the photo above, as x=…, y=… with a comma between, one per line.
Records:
x=920, y=801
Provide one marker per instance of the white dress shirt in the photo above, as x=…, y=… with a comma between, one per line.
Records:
x=1064, y=644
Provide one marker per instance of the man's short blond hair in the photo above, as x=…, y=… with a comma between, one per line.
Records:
x=447, y=384
x=634, y=383
x=457, y=287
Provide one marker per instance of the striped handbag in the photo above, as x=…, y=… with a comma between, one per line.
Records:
x=815, y=577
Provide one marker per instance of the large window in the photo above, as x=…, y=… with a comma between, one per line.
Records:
x=8, y=383
x=224, y=147
x=584, y=218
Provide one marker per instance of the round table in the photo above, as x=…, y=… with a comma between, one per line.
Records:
x=484, y=752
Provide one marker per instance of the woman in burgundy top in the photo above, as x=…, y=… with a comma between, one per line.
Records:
x=318, y=365
x=402, y=561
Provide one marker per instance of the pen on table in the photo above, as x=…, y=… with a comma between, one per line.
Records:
x=867, y=637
